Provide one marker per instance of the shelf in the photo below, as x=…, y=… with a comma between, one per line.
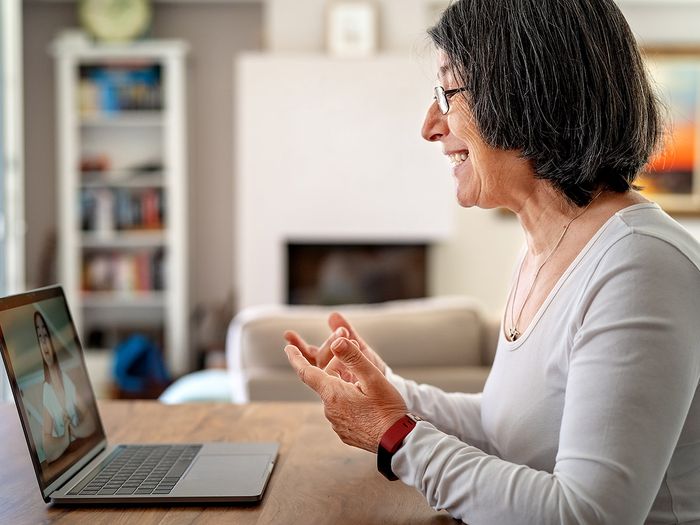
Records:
x=123, y=190
x=142, y=239
x=121, y=179
x=133, y=299
x=123, y=119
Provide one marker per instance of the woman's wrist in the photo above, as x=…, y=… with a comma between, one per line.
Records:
x=392, y=440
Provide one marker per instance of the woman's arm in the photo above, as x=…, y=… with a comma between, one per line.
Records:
x=53, y=446
x=633, y=374
x=86, y=423
x=457, y=414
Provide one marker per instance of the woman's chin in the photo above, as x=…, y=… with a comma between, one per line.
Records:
x=466, y=201
x=466, y=196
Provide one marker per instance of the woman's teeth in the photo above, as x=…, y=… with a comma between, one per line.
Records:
x=457, y=158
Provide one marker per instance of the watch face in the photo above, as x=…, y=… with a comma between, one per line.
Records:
x=115, y=20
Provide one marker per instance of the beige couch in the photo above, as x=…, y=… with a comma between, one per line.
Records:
x=447, y=342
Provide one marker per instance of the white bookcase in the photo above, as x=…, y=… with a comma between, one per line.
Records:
x=122, y=171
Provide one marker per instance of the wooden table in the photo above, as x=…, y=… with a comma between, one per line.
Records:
x=317, y=479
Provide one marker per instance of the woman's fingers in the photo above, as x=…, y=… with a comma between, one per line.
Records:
x=349, y=354
x=310, y=352
x=324, y=354
x=311, y=376
x=336, y=368
x=319, y=356
x=337, y=320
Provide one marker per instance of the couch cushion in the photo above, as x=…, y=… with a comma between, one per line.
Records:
x=448, y=379
x=444, y=332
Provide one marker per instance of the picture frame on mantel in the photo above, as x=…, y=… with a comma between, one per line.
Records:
x=672, y=178
x=351, y=28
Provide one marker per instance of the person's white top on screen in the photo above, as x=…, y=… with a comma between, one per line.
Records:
x=56, y=408
x=592, y=415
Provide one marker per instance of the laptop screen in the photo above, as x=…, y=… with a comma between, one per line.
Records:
x=46, y=368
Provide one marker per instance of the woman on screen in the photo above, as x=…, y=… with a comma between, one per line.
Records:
x=65, y=418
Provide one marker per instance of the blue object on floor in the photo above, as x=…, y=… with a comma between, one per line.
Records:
x=199, y=387
x=138, y=365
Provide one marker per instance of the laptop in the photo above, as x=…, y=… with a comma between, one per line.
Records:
x=72, y=460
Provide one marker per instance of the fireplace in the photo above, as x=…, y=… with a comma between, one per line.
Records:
x=351, y=273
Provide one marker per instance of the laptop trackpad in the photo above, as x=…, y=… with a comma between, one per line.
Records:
x=234, y=474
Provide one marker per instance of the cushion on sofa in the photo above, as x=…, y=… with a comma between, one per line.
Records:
x=443, y=341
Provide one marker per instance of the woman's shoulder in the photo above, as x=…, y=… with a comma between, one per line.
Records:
x=645, y=232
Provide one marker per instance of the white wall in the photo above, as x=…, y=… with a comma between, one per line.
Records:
x=299, y=25
x=478, y=257
x=330, y=150
x=663, y=21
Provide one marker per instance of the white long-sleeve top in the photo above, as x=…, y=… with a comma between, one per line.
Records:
x=593, y=414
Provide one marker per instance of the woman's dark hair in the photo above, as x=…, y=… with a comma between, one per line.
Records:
x=562, y=81
x=55, y=365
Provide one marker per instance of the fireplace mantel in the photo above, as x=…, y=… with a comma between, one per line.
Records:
x=330, y=149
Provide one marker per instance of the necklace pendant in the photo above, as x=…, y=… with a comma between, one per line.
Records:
x=513, y=333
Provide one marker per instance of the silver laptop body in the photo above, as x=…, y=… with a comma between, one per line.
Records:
x=64, y=433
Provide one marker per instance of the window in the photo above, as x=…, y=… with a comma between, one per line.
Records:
x=11, y=148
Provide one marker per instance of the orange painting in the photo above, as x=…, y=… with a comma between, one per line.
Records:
x=672, y=170
x=675, y=161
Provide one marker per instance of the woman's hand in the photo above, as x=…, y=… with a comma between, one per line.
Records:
x=322, y=356
x=318, y=356
x=67, y=422
x=359, y=412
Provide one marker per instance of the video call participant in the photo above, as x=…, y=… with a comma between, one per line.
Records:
x=65, y=418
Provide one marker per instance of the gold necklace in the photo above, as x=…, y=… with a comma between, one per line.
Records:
x=513, y=332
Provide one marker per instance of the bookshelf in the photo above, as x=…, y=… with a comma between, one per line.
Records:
x=122, y=201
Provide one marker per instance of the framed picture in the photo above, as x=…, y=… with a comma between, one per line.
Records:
x=351, y=28
x=673, y=176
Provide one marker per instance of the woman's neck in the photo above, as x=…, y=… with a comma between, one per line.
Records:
x=543, y=214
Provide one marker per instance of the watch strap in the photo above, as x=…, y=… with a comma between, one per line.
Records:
x=391, y=442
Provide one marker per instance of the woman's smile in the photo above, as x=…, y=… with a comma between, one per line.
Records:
x=458, y=157
x=459, y=160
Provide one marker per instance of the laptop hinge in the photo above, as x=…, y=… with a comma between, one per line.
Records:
x=69, y=475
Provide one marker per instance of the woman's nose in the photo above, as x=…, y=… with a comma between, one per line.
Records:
x=435, y=124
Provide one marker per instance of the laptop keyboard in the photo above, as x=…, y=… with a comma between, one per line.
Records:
x=138, y=469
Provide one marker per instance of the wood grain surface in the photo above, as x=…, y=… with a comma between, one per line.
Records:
x=317, y=480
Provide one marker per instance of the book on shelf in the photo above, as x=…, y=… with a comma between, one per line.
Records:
x=140, y=271
x=114, y=88
x=106, y=211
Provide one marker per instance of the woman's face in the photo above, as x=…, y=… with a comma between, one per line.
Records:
x=487, y=176
x=42, y=334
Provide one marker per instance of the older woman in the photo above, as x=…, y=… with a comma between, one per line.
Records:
x=590, y=413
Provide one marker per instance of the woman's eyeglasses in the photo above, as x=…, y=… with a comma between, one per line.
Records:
x=443, y=96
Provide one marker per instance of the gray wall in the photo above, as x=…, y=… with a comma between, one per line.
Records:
x=215, y=32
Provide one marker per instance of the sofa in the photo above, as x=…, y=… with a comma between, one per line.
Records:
x=448, y=342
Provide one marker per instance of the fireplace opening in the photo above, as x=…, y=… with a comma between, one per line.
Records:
x=331, y=273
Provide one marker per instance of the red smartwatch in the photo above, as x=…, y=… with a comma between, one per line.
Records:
x=391, y=442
